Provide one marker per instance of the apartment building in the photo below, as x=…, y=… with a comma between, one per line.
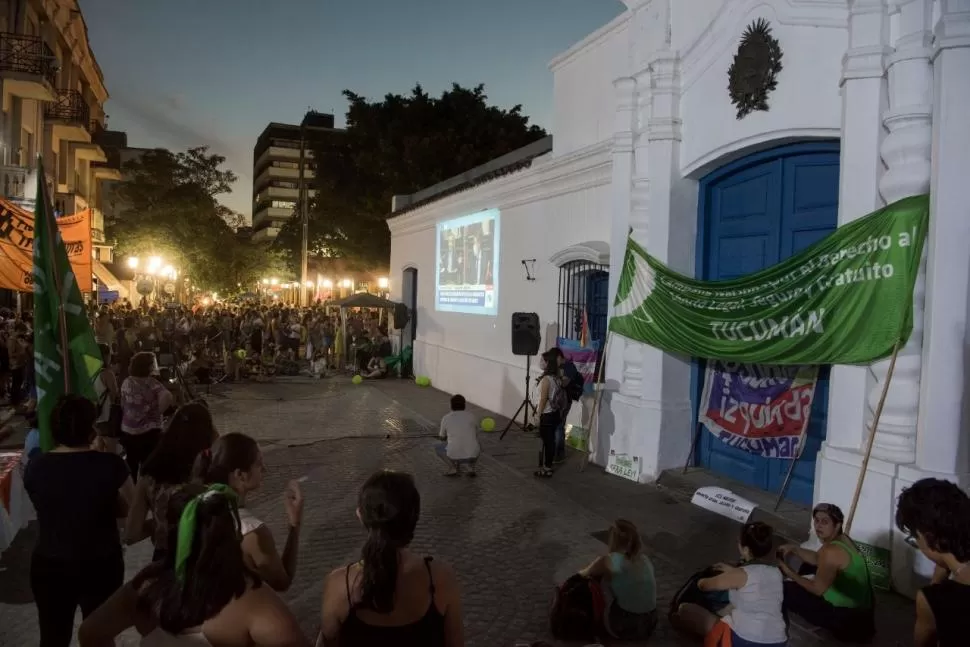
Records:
x=276, y=170
x=53, y=96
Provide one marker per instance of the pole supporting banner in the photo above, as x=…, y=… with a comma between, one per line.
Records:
x=872, y=437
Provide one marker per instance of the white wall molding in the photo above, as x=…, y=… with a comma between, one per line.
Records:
x=723, y=33
x=583, y=169
x=593, y=251
x=745, y=146
x=593, y=40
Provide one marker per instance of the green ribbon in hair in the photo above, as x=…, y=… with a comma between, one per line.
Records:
x=187, y=523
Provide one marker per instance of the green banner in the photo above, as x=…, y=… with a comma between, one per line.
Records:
x=847, y=299
x=66, y=357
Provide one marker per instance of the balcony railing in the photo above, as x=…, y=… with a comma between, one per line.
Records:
x=70, y=106
x=13, y=179
x=29, y=55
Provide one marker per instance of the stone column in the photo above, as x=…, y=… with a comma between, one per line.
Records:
x=944, y=428
x=667, y=393
x=906, y=153
x=621, y=188
x=863, y=103
x=632, y=385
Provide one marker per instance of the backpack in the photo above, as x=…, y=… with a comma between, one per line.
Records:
x=575, y=389
x=577, y=610
x=713, y=601
x=558, y=399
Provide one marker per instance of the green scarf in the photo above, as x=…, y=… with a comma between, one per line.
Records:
x=187, y=523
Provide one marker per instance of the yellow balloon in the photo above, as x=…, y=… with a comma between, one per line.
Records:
x=356, y=379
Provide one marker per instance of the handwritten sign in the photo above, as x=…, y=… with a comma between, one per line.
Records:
x=723, y=502
x=624, y=466
x=763, y=410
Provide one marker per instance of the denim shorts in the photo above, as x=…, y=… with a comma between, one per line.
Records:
x=441, y=449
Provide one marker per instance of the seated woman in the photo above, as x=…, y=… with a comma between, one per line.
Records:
x=838, y=594
x=391, y=596
x=754, y=617
x=935, y=515
x=235, y=460
x=376, y=369
x=629, y=585
x=200, y=594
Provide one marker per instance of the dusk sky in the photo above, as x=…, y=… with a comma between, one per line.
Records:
x=185, y=73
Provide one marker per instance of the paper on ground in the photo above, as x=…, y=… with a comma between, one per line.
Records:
x=723, y=502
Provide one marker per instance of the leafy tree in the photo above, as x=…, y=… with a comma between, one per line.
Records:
x=398, y=145
x=169, y=208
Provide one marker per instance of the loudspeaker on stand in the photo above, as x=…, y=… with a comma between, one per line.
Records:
x=526, y=337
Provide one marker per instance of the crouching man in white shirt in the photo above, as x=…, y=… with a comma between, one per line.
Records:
x=459, y=430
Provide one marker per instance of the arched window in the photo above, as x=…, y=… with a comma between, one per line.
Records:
x=583, y=290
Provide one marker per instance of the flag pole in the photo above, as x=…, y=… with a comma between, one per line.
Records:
x=52, y=231
x=872, y=436
x=594, y=424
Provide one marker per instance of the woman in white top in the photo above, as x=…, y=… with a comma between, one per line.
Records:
x=202, y=594
x=552, y=407
x=235, y=460
x=754, y=617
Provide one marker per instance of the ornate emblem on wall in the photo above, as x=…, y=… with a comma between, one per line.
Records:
x=754, y=72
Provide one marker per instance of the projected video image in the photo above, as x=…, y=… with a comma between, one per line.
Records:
x=467, y=279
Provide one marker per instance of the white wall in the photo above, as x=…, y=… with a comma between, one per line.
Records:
x=807, y=102
x=583, y=87
x=545, y=209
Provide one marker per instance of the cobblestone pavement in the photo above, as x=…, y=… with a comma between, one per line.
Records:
x=509, y=537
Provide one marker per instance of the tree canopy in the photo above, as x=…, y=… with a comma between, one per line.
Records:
x=168, y=206
x=398, y=145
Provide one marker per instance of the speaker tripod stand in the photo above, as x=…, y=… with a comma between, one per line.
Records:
x=527, y=408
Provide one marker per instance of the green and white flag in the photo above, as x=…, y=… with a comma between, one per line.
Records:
x=847, y=299
x=66, y=356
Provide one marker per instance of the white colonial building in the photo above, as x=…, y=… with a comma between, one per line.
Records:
x=869, y=106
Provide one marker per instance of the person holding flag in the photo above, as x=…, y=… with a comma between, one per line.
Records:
x=66, y=355
x=78, y=493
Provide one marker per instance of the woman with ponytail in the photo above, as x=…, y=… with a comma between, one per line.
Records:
x=201, y=593
x=391, y=596
x=190, y=432
x=235, y=460
x=756, y=591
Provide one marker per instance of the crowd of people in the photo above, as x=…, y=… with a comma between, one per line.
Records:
x=245, y=339
x=155, y=468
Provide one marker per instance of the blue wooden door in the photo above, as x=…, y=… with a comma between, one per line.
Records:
x=755, y=213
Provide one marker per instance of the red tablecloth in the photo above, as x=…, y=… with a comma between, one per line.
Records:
x=16, y=511
x=9, y=463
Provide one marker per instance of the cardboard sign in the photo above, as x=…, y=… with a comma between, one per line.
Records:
x=624, y=466
x=723, y=502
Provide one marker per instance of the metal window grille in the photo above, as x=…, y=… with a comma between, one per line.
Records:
x=582, y=288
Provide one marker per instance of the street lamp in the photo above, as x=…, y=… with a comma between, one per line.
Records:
x=265, y=281
x=346, y=283
x=154, y=263
x=382, y=283
x=327, y=283
x=274, y=281
x=133, y=262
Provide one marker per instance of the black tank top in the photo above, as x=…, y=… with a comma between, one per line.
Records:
x=429, y=631
x=949, y=602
